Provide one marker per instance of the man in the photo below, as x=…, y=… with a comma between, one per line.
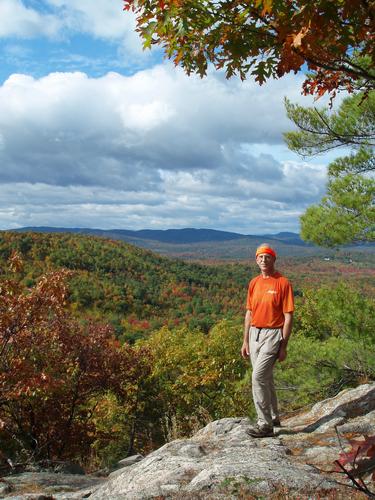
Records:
x=267, y=328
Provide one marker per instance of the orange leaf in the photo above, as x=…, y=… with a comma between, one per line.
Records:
x=297, y=39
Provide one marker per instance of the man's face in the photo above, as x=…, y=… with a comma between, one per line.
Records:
x=266, y=262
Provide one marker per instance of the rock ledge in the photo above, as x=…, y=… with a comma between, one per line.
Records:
x=221, y=459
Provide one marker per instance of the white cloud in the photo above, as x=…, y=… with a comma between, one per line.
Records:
x=156, y=149
x=102, y=18
x=159, y=118
x=37, y=205
x=105, y=20
x=18, y=20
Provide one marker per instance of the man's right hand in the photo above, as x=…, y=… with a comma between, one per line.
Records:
x=245, y=351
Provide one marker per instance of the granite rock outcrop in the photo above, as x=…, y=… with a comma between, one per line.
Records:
x=223, y=461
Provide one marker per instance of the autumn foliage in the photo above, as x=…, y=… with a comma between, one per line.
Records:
x=359, y=463
x=71, y=386
x=54, y=370
x=266, y=38
x=133, y=289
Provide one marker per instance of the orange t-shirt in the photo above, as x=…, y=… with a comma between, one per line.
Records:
x=268, y=299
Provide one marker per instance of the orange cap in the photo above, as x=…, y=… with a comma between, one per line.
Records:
x=265, y=249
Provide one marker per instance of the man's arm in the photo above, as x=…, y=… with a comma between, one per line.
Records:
x=287, y=330
x=245, y=349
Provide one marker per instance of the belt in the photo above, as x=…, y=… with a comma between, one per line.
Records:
x=267, y=327
x=260, y=328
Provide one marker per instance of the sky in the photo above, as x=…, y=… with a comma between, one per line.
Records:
x=95, y=132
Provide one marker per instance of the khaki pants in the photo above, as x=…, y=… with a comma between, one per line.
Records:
x=264, y=349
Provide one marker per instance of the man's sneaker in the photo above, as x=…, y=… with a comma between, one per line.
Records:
x=261, y=431
x=276, y=422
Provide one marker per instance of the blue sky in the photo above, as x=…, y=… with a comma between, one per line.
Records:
x=95, y=132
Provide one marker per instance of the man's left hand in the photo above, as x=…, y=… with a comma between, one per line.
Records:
x=282, y=353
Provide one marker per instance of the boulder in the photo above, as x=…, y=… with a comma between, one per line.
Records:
x=334, y=411
x=125, y=462
x=46, y=484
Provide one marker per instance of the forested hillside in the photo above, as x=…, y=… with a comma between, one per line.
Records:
x=136, y=290
x=107, y=349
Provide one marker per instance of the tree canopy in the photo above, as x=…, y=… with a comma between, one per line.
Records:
x=55, y=368
x=320, y=130
x=347, y=213
x=266, y=38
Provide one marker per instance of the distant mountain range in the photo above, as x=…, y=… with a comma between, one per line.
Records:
x=191, y=243
x=173, y=236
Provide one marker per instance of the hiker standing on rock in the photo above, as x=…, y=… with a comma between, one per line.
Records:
x=267, y=328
